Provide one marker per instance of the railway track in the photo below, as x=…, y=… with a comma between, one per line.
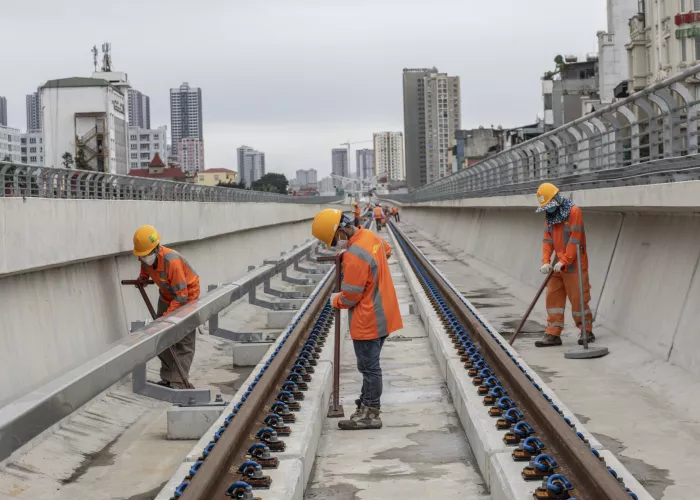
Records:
x=555, y=457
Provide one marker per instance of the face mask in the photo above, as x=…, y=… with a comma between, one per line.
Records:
x=148, y=259
x=552, y=210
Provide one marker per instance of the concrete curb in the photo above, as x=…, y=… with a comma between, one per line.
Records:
x=501, y=474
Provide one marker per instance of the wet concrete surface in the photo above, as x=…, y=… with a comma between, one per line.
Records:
x=628, y=399
x=421, y=451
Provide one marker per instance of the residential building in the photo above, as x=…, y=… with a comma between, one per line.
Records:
x=612, y=54
x=10, y=144
x=215, y=176
x=326, y=186
x=364, y=163
x=191, y=155
x=32, y=148
x=388, y=156
x=339, y=158
x=3, y=111
x=144, y=144
x=158, y=170
x=251, y=165
x=139, y=110
x=432, y=112
x=185, y=115
x=34, y=111
x=89, y=114
x=571, y=91
x=307, y=178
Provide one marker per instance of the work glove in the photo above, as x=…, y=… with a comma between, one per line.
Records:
x=558, y=267
x=546, y=268
x=143, y=280
x=333, y=296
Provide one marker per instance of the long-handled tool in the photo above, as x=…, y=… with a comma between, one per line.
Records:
x=141, y=285
x=336, y=409
x=531, y=306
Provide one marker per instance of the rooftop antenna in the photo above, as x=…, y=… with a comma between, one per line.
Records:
x=94, y=56
x=106, y=57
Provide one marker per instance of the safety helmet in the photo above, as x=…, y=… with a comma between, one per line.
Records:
x=546, y=193
x=146, y=239
x=354, y=203
x=326, y=224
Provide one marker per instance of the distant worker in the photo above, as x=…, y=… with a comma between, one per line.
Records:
x=368, y=291
x=178, y=284
x=378, y=216
x=563, y=230
x=356, y=212
x=395, y=212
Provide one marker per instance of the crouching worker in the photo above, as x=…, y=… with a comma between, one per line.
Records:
x=178, y=284
x=368, y=292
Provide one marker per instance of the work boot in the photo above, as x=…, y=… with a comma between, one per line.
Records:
x=365, y=418
x=548, y=341
x=591, y=338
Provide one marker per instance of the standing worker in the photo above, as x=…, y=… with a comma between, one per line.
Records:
x=563, y=230
x=395, y=211
x=368, y=292
x=378, y=216
x=356, y=212
x=178, y=284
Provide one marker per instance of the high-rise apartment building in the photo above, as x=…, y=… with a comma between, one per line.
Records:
x=34, y=111
x=3, y=111
x=144, y=144
x=307, y=177
x=251, y=165
x=10, y=140
x=32, y=148
x=364, y=163
x=339, y=157
x=191, y=155
x=186, y=116
x=612, y=54
x=388, y=155
x=139, y=110
x=432, y=112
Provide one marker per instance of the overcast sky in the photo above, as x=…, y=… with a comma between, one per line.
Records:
x=295, y=78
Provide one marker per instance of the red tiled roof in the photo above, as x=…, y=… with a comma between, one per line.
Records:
x=167, y=173
x=217, y=171
x=156, y=161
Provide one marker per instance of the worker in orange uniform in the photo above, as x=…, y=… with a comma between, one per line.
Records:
x=379, y=216
x=563, y=230
x=395, y=212
x=356, y=212
x=368, y=292
x=178, y=284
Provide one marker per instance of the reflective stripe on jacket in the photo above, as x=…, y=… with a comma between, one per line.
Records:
x=563, y=238
x=177, y=281
x=367, y=289
x=378, y=213
x=387, y=247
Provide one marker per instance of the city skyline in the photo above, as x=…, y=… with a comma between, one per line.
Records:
x=294, y=125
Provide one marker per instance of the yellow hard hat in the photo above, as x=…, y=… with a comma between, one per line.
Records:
x=545, y=193
x=146, y=238
x=354, y=203
x=325, y=225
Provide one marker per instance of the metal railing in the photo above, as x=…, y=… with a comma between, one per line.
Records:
x=649, y=137
x=17, y=180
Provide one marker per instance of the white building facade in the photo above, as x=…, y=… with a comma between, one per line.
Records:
x=612, y=52
x=145, y=143
x=443, y=116
x=10, y=144
x=33, y=103
x=364, y=163
x=87, y=114
x=251, y=165
x=307, y=177
x=32, y=148
x=388, y=155
x=191, y=155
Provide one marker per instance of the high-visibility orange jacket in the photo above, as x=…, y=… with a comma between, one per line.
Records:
x=563, y=238
x=387, y=247
x=394, y=210
x=367, y=289
x=378, y=213
x=357, y=211
x=178, y=282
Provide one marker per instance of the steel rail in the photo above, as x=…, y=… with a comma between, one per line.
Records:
x=216, y=473
x=591, y=479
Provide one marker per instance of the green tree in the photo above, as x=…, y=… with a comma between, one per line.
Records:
x=67, y=160
x=271, y=183
x=80, y=160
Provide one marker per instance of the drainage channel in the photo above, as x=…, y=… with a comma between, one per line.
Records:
x=557, y=460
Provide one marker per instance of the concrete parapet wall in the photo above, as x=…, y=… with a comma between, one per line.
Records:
x=643, y=264
x=61, y=263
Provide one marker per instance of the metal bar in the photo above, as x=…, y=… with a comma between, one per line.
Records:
x=28, y=416
x=588, y=474
x=531, y=306
x=584, y=333
x=336, y=410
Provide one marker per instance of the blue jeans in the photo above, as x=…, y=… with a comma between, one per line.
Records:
x=367, y=353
